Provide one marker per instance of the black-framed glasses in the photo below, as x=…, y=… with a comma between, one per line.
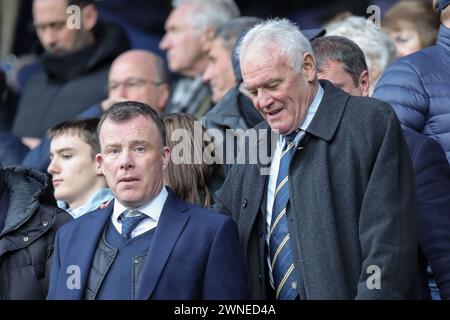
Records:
x=131, y=83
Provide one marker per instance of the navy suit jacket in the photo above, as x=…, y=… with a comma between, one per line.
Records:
x=432, y=178
x=194, y=255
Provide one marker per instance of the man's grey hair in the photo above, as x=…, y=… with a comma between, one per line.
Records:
x=283, y=34
x=229, y=32
x=209, y=13
x=342, y=50
x=379, y=49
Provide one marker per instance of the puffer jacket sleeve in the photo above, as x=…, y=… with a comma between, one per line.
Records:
x=402, y=87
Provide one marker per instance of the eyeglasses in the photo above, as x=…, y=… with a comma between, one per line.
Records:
x=131, y=83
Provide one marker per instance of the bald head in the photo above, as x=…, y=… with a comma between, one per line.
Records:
x=141, y=76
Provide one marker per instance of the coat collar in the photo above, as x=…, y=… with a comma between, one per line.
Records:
x=329, y=113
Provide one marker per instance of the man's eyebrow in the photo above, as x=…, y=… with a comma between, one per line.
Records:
x=262, y=84
x=64, y=150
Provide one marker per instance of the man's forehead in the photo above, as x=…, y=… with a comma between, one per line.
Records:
x=50, y=8
x=262, y=67
x=65, y=141
x=179, y=16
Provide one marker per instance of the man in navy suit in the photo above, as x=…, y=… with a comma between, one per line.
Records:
x=146, y=244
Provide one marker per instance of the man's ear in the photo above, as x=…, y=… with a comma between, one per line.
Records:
x=89, y=16
x=206, y=39
x=165, y=156
x=99, y=164
x=309, y=67
x=164, y=95
x=364, y=82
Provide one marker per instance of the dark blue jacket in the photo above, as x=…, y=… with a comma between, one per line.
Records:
x=194, y=255
x=417, y=86
x=432, y=176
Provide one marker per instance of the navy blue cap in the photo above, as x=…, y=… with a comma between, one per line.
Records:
x=443, y=4
x=310, y=34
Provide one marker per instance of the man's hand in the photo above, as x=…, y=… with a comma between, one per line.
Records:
x=31, y=143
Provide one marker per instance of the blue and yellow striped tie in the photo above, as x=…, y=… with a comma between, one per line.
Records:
x=284, y=278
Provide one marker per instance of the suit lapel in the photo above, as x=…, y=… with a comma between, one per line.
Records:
x=89, y=231
x=170, y=226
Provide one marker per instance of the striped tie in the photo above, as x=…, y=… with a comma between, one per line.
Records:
x=279, y=245
x=130, y=219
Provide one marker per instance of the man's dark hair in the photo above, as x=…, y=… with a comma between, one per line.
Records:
x=342, y=50
x=86, y=129
x=123, y=111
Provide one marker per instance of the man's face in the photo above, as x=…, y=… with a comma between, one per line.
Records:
x=219, y=71
x=73, y=169
x=50, y=22
x=132, y=159
x=128, y=80
x=279, y=93
x=406, y=40
x=182, y=43
x=334, y=72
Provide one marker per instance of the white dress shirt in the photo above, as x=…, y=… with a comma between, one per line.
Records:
x=275, y=165
x=151, y=209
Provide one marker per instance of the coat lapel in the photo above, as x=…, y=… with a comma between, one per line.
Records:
x=89, y=231
x=170, y=226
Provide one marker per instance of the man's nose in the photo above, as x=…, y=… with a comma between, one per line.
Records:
x=262, y=100
x=52, y=167
x=126, y=160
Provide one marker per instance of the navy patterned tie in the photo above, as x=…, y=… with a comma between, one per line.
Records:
x=130, y=219
x=283, y=274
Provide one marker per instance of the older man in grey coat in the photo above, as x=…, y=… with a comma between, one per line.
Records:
x=333, y=214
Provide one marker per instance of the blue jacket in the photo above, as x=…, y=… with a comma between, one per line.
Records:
x=195, y=255
x=432, y=178
x=417, y=86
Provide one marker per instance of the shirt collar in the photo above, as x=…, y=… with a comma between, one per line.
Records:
x=151, y=209
x=102, y=195
x=312, y=108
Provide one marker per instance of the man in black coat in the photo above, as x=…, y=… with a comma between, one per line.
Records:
x=332, y=214
x=79, y=49
x=29, y=219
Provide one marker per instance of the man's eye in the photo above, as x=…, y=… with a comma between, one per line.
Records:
x=139, y=149
x=113, y=86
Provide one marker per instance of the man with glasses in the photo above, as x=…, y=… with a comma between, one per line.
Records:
x=136, y=75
